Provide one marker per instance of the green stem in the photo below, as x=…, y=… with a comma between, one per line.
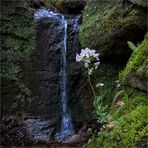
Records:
x=91, y=87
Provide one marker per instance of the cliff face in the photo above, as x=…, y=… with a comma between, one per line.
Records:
x=31, y=62
x=17, y=41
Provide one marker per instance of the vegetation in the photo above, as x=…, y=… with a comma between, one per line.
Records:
x=116, y=30
x=130, y=125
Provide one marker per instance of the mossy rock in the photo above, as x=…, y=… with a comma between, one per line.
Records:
x=135, y=73
x=17, y=33
x=17, y=42
x=107, y=27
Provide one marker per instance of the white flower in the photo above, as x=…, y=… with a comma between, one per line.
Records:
x=87, y=61
x=96, y=65
x=117, y=81
x=100, y=84
x=90, y=71
x=86, y=65
x=88, y=56
x=96, y=55
x=78, y=58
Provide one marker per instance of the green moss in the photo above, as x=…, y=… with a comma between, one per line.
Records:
x=131, y=126
x=17, y=38
x=104, y=21
x=16, y=35
x=138, y=61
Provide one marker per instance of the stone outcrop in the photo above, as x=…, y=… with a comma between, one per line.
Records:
x=135, y=73
x=107, y=26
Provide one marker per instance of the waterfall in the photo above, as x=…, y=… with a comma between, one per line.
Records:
x=66, y=128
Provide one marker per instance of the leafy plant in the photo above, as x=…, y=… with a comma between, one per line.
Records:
x=90, y=59
x=100, y=110
x=132, y=46
x=131, y=127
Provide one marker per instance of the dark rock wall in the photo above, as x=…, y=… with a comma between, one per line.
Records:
x=40, y=64
x=17, y=42
x=43, y=67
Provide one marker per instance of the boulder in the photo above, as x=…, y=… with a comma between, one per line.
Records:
x=135, y=73
x=107, y=26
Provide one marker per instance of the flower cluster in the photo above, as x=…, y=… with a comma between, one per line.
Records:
x=99, y=85
x=117, y=83
x=89, y=58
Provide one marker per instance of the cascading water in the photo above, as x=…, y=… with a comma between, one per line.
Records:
x=66, y=128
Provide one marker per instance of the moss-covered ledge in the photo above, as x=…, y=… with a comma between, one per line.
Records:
x=135, y=73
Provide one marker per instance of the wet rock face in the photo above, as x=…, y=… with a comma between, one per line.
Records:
x=17, y=42
x=43, y=67
x=75, y=6
x=13, y=133
x=42, y=70
x=39, y=129
x=24, y=132
x=78, y=95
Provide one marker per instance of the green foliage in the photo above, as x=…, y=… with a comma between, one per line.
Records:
x=132, y=46
x=100, y=110
x=91, y=142
x=108, y=74
x=24, y=89
x=128, y=132
x=132, y=122
x=138, y=61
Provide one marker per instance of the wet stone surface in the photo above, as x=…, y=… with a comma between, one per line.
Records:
x=40, y=129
